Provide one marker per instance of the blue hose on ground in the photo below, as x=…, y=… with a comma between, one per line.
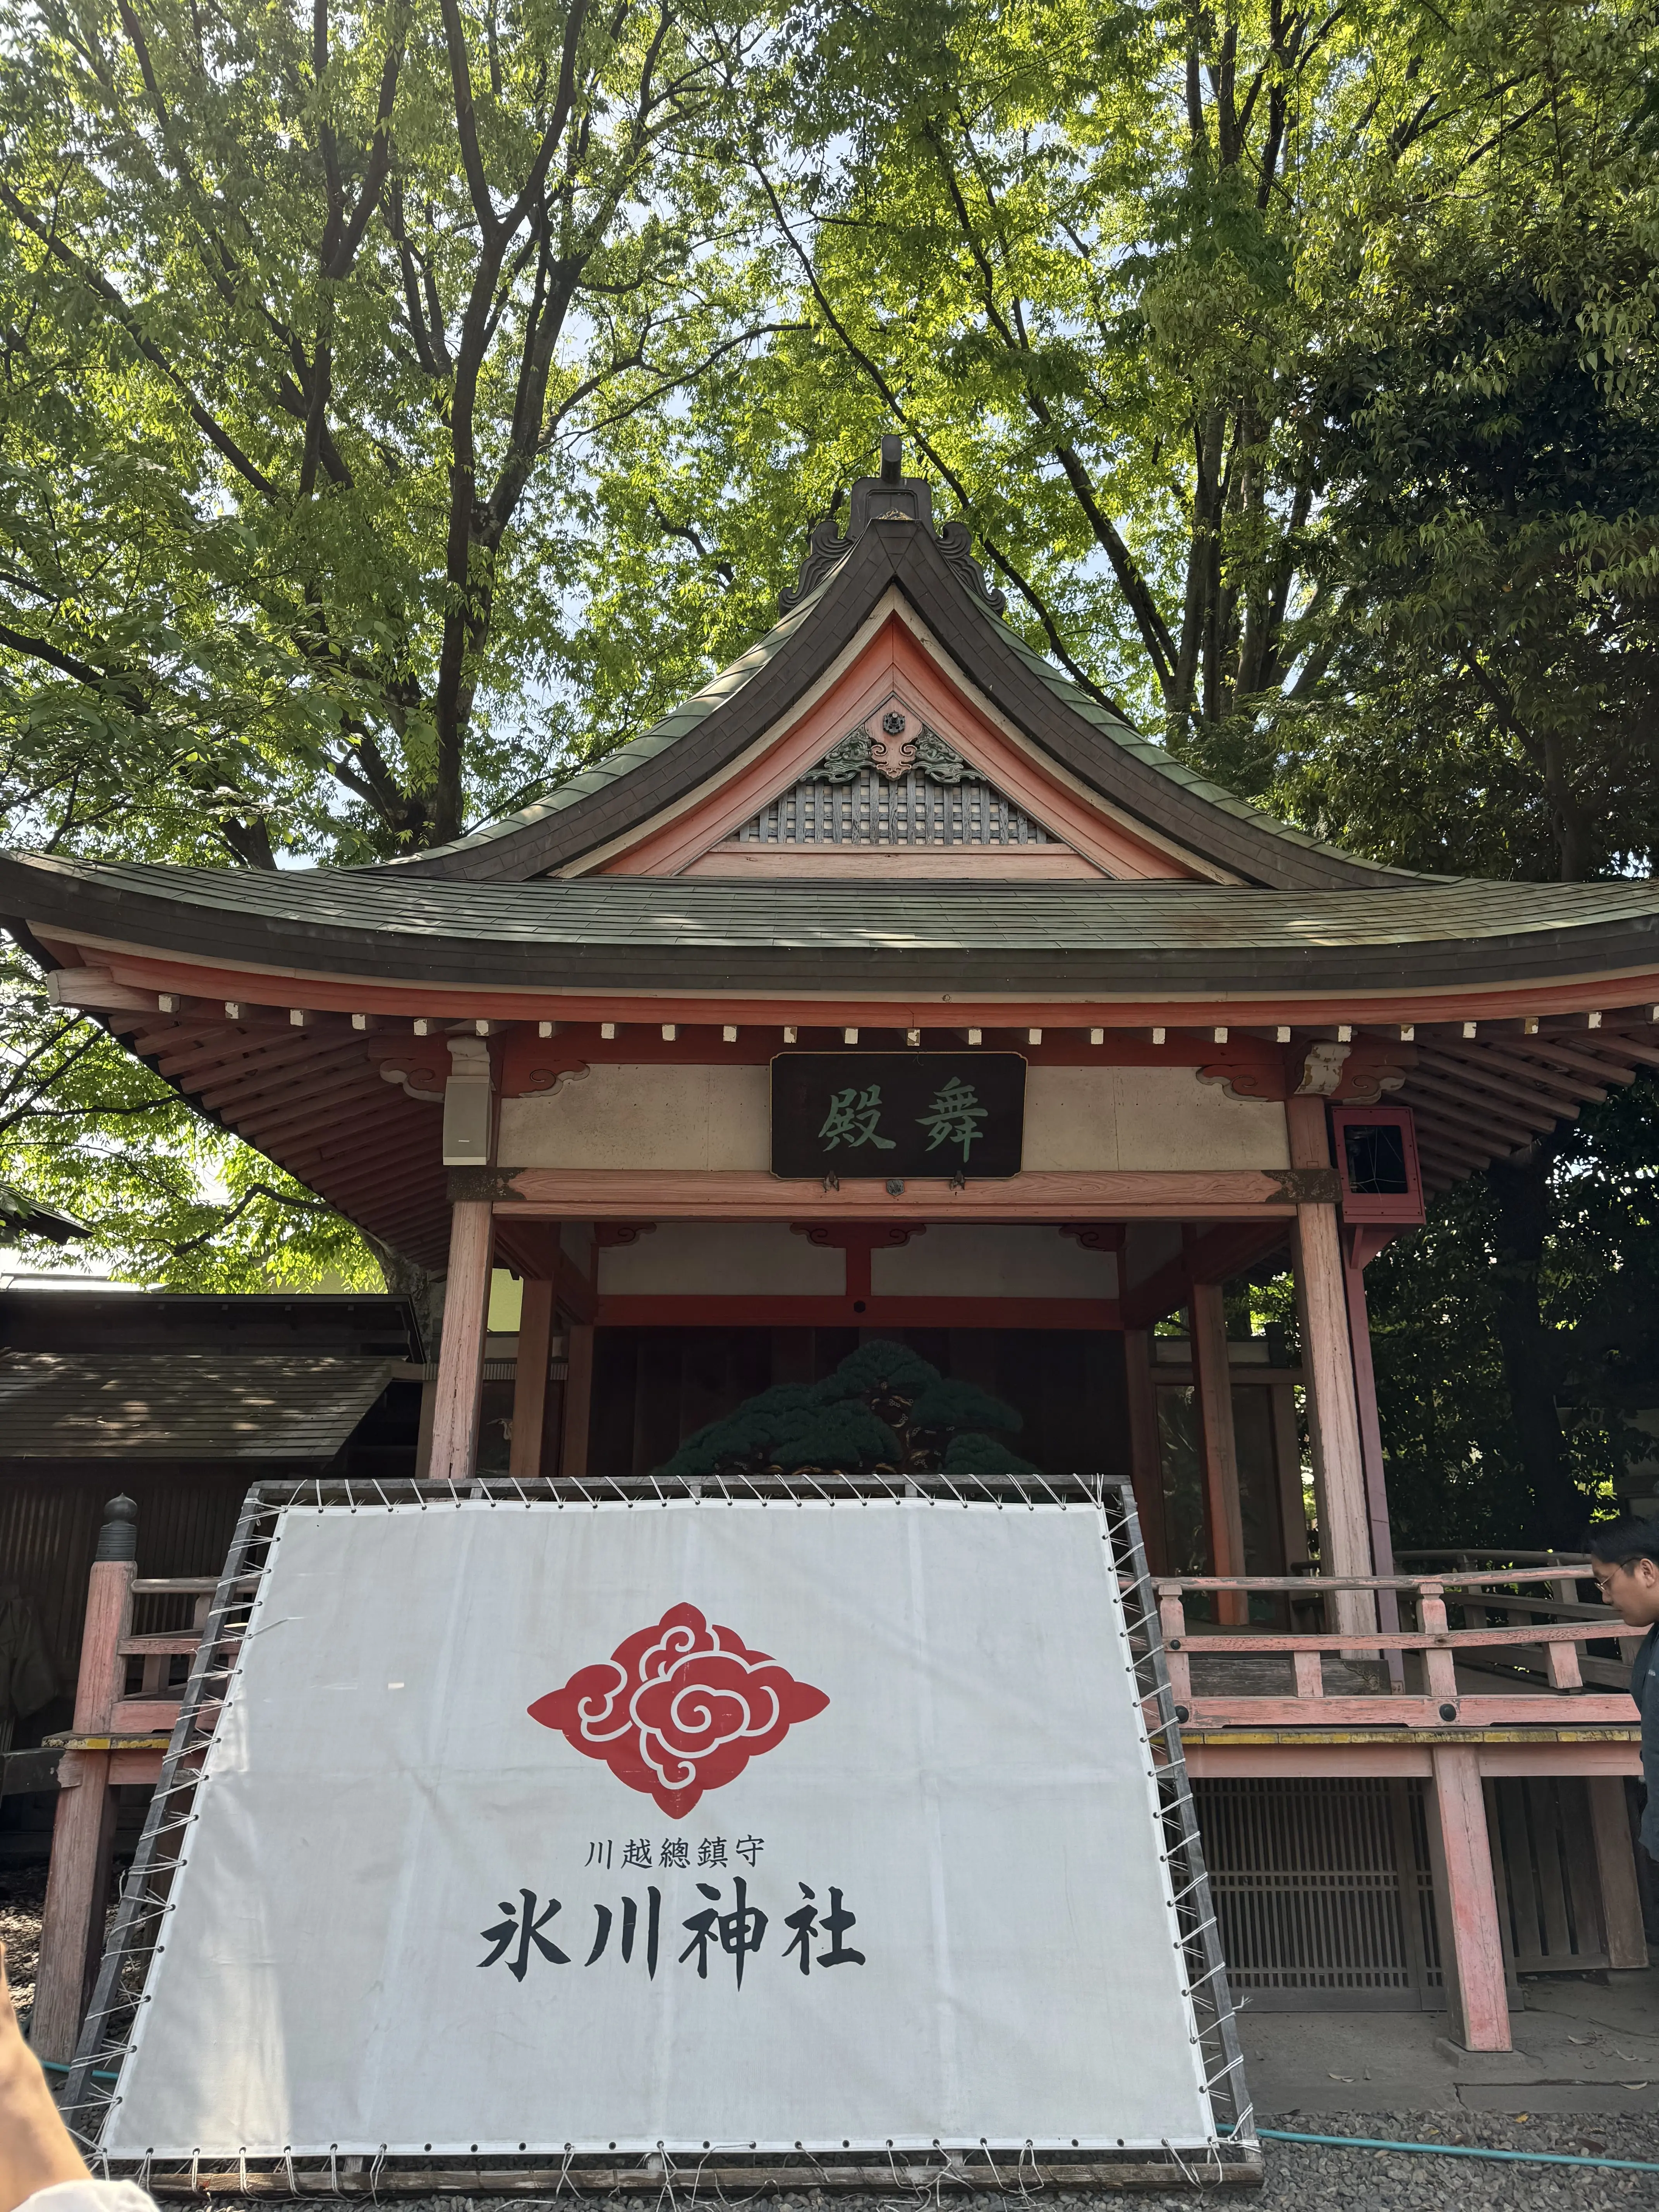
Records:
x=57, y=2066
x=1464, y=2150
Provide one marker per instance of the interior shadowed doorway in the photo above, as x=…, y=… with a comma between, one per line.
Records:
x=653, y=1387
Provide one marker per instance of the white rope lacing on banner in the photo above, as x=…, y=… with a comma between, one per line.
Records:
x=1186, y=2173
x=665, y=2182
x=146, y=1905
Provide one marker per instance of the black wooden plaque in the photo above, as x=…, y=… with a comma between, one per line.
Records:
x=853, y=1113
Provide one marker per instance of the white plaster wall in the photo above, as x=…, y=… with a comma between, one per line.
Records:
x=629, y=1115
x=634, y=1116
x=1102, y=1118
x=989, y=1261
x=721, y=1259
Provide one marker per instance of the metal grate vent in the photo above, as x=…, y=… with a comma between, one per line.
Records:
x=873, y=809
x=1324, y=1892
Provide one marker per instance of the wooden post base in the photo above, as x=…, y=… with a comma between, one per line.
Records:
x=72, y=1926
x=84, y=1831
x=1466, y=1896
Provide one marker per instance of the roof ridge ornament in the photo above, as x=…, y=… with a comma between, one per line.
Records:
x=889, y=497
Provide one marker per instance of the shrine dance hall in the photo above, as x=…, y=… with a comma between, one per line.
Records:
x=893, y=986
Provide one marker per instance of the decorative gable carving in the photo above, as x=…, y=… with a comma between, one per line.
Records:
x=899, y=783
x=889, y=768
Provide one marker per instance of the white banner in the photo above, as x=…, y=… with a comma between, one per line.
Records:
x=692, y=1825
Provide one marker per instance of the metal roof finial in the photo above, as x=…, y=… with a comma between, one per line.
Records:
x=892, y=459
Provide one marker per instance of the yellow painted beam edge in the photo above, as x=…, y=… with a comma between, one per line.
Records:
x=1588, y=1734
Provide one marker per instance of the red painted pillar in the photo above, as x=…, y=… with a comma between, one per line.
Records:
x=530, y=1378
x=1213, y=1384
x=72, y=1927
x=1328, y=1364
x=461, y=1345
x=578, y=1399
x=1360, y=1246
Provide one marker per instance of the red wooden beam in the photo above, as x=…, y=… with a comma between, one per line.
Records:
x=1448, y=1104
x=853, y=1311
x=351, y=994
x=311, y=1083
x=1486, y=1069
x=1045, y=1196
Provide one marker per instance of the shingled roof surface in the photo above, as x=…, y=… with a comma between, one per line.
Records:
x=708, y=732
x=615, y=931
x=183, y=1405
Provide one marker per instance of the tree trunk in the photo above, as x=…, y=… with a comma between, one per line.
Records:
x=1521, y=1193
x=407, y=1279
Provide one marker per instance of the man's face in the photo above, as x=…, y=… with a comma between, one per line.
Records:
x=1631, y=1590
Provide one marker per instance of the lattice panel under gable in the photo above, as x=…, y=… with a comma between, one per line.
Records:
x=893, y=789
x=907, y=809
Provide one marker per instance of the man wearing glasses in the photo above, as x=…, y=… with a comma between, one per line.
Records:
x=1624, y=1561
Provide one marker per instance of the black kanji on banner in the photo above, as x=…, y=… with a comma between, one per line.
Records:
x=890, y=1114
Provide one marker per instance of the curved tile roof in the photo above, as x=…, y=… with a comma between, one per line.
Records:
x=710, y=933
x=711, y=729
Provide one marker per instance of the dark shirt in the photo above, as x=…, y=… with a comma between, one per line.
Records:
x=1644, y=1688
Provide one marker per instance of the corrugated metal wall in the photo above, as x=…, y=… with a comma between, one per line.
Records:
x=49, y=1520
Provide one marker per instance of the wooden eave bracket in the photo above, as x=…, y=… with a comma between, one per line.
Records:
x=95, y=991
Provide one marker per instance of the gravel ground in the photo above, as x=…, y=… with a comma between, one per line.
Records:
x=1301, y=2177
x=22, y=1895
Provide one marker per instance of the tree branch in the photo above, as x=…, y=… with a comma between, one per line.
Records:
x=254, y=1190
x=97, y=283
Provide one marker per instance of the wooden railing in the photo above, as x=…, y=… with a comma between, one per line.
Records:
x=1418, y=1667
x=152, y=1707
x=1512, y=1606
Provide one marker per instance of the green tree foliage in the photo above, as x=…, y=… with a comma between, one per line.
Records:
x=165, y=1196
x=885, y=1410
x=1482, y=413
x=1460, y=1462
x=405, y=400
x=305, y=313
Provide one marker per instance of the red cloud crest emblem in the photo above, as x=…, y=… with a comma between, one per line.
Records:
x=679, y=1708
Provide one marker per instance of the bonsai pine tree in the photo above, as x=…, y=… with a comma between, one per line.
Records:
x=884, y=1411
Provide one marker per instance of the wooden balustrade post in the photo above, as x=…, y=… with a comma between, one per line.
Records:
x=84, y=1831
x=461, y=1346
x=1213, y=1385
x=1466, y=1898
x=1565, y=1672
x=1328, y=1363
x=1172, y=1626
x=1439, y=1668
